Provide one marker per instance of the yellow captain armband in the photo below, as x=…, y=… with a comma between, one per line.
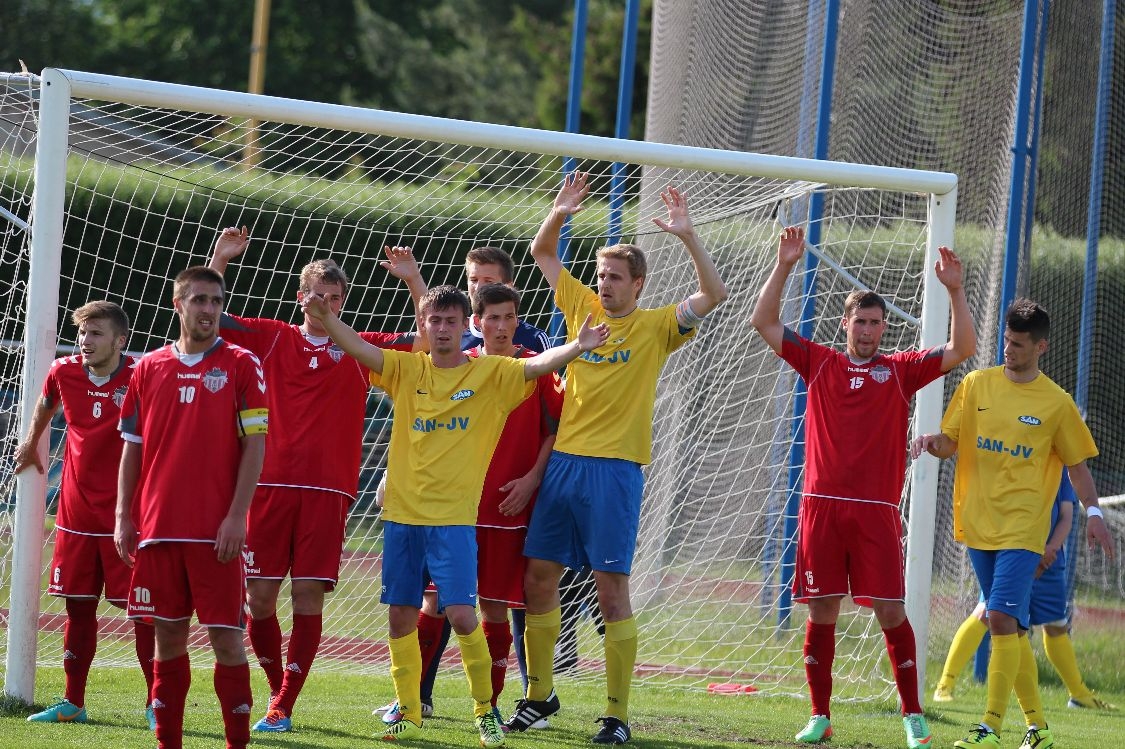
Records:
x=253, y=421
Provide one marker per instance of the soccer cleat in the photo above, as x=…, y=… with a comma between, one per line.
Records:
x=1092, y=702
x=979, y=735
x=918, y=734
x=491, y=733
x=613, y=731
x=943, y=694
x=529, y=712
x=62, y=711
x=392, y=714
x=275, y=721
x=818, y=729
x=401, y=730
x=1037, y=738
x=150, y=716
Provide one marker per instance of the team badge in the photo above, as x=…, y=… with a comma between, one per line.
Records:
x=880, y=373
x=215, y=380
x=461, y=395
x=1030, y=421
x=336, y=353
x=119, y=396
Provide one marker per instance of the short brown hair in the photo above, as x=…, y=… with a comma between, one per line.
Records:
x=633, y=256
x=324, y=271
x=102, y=310
x=445, y=297
x=188, y=276
x=863, y=300
x=495, y=293
x=1027, y=316
x=493, y=256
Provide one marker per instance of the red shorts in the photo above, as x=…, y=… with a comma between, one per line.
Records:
x=500, y=565
x=174, y=578
x=846, y=546
x=82, y=565
x=295, y=532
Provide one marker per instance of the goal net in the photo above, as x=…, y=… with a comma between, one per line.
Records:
x=134, y=179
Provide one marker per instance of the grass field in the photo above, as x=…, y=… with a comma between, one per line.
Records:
x=335, y=711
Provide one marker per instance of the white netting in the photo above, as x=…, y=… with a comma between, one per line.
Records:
x=930, y=85
x=148, y=188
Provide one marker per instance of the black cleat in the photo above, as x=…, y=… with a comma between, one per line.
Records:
x=529, y=712
x=613, y=731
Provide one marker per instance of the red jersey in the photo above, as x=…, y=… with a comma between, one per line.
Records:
x=317, y=401
x=88, y=492
x=190, y=419
x=856, y=417
x=518, y=448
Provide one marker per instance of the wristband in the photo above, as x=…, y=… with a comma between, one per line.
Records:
x=1094, y=512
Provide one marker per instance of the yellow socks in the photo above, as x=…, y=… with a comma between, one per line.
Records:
x=965, y=643
x=539, y=645
x=620, y=659
x=478, y=669
x=406, y=673
x=1027, y=686
x=1060, y=652
x=1002, y=666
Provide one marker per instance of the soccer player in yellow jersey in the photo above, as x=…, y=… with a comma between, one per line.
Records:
x=1020, y=430
x=589, y=502
x=449, y=411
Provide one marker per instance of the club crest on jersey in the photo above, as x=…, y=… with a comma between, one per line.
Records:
x=215, y=380
x=880, y=373
x=336, y=353
x=1030, y=421
x=461, y=395
x=119, y=396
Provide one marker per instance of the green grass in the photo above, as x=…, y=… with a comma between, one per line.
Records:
x=335, y=711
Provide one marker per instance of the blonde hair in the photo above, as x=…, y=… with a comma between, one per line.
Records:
x=324, y=271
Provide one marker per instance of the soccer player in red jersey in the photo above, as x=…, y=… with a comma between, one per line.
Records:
x=850, y=529
x=194, y=425
x=311, y=474
x=90, y=387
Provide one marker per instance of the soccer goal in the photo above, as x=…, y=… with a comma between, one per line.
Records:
x=132, y=180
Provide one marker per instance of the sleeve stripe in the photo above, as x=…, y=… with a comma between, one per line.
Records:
x=253, y=421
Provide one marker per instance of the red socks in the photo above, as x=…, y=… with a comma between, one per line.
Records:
x=171, y=680
x=820, y=649
x=144, y=638
x=429, y=638
x=903, y=652
x=304, y=641
x=80, y=640
x=232, y=685
x=265, y=640
x=499, y=638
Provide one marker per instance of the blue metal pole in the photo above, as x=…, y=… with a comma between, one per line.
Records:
x=1036, y=123
x=1094, y=211
x=816, y=208
x=1017, y=188
x=557, y=327
x=624, y=114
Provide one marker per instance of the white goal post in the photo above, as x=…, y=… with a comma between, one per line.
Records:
x=655, y=163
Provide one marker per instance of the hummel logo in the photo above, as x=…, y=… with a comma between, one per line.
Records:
x=811, y=661
x=500, y=663
x=242, y=709
x=156, y=704
x=265, y=661
x=69, y=656
x=906, y=664
x=295, y=668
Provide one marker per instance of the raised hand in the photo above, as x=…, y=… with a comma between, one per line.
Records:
x=400, y=263
x=791, y=247
x=231, y=243
x=679, y=220
x=315, y=306
x=573, y=191
x=589, y=338
x=948, y=269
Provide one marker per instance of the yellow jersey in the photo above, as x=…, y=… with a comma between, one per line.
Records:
x=610, y=391
x=447, y=422
x=1013, y=441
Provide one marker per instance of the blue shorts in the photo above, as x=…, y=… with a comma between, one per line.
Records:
x=1005, y=577
x=587, y=513
x=414, y=554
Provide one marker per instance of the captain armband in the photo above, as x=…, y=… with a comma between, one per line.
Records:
x=686, y=317
x=253, y=421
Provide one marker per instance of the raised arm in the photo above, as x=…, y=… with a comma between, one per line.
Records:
x=128, y=472
x=27, y=454
x=588, y=339
x=712, y=291
x=962, y=337
x=1096, y=529
x=230, y=243
x=545, y=246
x=368, y=355
x=402, y=264
x=232, y=531
x=766, y=317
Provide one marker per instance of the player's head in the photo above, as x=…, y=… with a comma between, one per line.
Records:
x=103, y=328
x=326, y=279
x=445, y=314
x=488, y=265
x=621, y=276
x=1026, y=329
x=497, y=309
x=197, y=295
x=865, y=319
